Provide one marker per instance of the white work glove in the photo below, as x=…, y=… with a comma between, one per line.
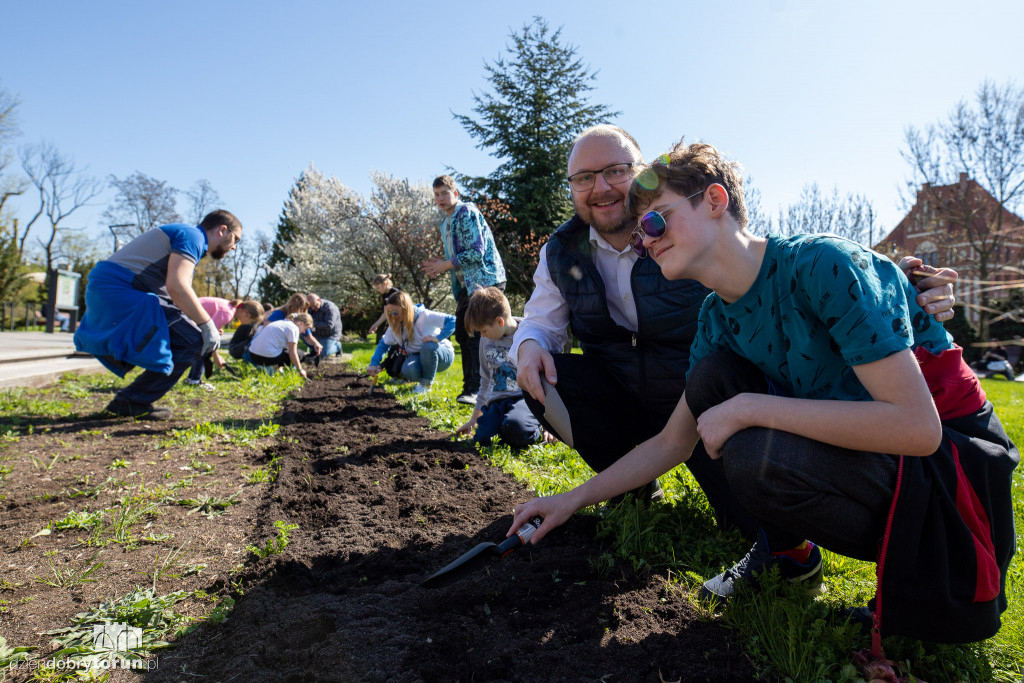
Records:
x=211, y=337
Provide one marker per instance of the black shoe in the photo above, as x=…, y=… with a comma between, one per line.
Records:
x=861, y=616
x=123, y=408
x=758, y=560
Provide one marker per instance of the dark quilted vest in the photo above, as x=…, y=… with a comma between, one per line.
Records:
x=653, y=361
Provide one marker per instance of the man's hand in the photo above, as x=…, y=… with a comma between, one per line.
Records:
x=534, y=363
x=211, y=337
x=934, y=284
x=435, y=266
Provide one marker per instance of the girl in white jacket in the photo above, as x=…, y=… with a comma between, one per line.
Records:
x=424, y=336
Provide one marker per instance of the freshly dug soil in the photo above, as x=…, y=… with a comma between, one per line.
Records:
x=381, y=502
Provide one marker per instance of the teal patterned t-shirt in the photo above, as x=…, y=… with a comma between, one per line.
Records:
x=820, y=304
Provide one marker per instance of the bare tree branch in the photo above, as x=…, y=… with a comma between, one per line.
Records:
x=63, y=189
x=143, y=201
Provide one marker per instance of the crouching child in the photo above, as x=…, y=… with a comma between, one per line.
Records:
x=500, y=409
x=276, y=344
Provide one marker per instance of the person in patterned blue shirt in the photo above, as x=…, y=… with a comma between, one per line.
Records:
x=844, y=414
x=472, y=261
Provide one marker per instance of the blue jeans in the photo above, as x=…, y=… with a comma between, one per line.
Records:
x=186, y=349
x=431, y=359
x=511, y=420
x=331, y=347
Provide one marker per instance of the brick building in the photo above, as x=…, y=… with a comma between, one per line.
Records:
x=959, y=226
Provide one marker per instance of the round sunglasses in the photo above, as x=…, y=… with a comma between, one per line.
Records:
x=652, y=224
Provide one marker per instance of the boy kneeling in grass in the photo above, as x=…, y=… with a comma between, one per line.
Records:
x=500, y=409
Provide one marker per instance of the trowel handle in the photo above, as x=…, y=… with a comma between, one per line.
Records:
x=518, y=539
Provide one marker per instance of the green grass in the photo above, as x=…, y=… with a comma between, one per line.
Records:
x=786, y=634
x=276, y=545
x=142, y=609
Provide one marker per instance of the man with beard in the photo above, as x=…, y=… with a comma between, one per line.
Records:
x=141, y=309
x=635, y=327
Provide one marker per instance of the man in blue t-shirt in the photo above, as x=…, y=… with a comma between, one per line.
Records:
x=141, y=309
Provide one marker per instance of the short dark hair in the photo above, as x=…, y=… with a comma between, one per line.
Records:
x=688, y=168
x=221, y=217
x=445, y=181
x=485, y=305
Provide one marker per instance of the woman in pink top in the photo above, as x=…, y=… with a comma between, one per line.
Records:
x=221, y=311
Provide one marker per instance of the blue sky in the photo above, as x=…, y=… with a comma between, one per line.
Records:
x=247, y=94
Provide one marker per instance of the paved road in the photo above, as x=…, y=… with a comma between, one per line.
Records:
x=34, y=359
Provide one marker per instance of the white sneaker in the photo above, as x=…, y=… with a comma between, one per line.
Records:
x=421, y=389
x=205, y=386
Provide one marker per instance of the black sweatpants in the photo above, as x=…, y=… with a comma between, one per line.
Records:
x=796, y=488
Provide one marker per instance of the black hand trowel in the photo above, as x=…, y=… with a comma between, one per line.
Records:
x=472, y=560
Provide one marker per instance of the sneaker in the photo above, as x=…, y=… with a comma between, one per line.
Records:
x=205, y=386
x=123, y=408
x=468, y=399
x=758, y=560
x=421, y=389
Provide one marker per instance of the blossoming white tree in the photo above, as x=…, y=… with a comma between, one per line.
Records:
x=343, y=240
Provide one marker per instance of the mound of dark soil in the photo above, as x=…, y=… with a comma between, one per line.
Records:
x=381, y=501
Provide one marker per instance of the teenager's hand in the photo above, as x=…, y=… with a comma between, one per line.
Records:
x=435, y=266
x=934, y=284
x=553, y=509
x=303, y=373
x=535, y=362
x=372, y=331
x=717, y=424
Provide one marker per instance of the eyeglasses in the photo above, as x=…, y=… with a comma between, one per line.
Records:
x=652, y=224
x=616, y=174
x=393, y=313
